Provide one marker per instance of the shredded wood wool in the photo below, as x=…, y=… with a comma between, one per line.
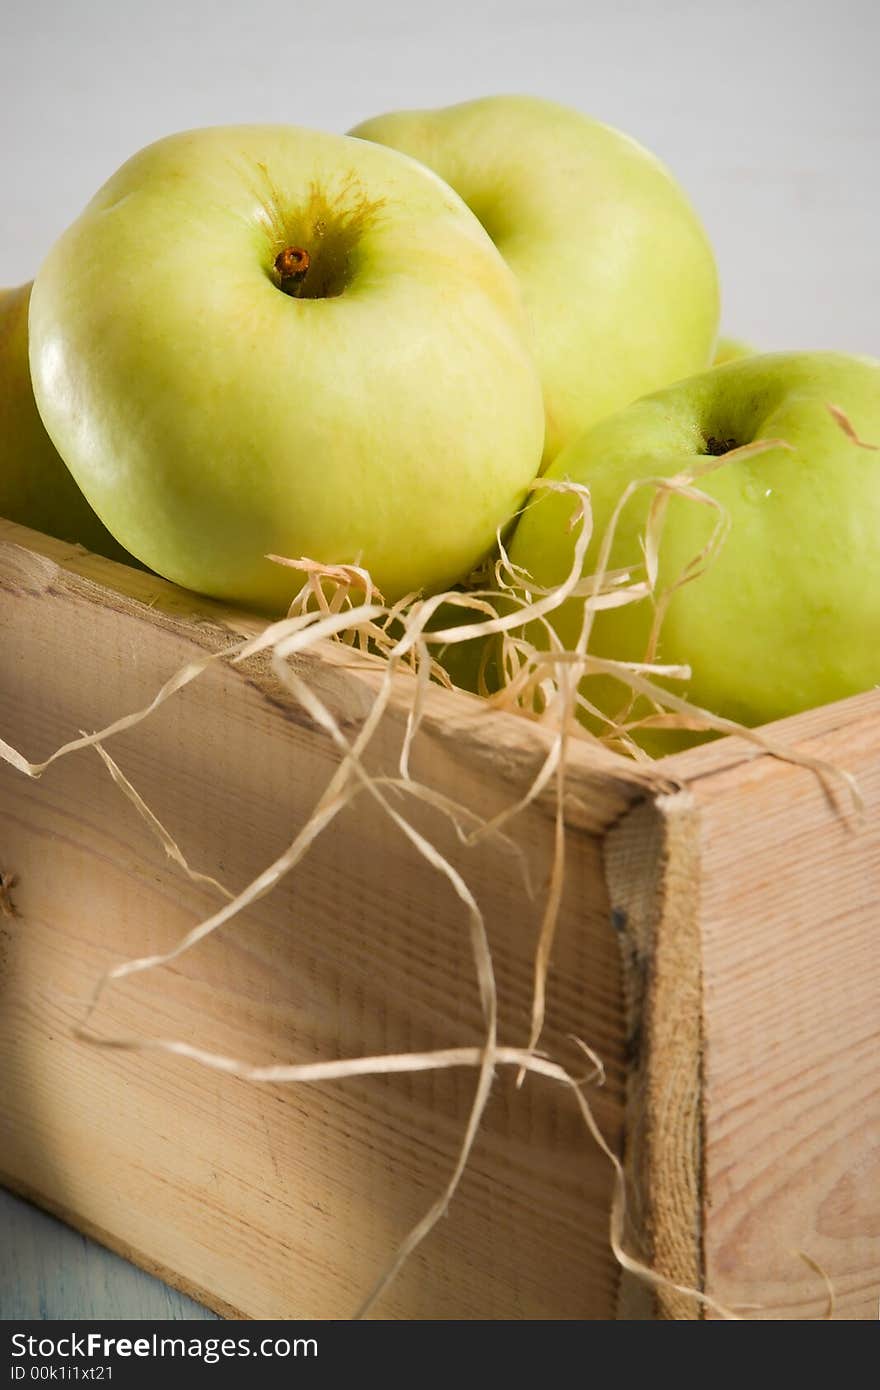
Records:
x=544, y=683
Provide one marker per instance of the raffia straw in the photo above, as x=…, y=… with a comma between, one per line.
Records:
x=563, y=708
x=823, y=1274
x=843, y=420
x=165, y=838
x=596, y=1077
x=553, y=901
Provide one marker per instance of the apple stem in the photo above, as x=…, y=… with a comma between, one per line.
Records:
x=292, y=265
x=717, y=447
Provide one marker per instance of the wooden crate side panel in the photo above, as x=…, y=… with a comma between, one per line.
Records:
x=273, y=1201
x=790, y=929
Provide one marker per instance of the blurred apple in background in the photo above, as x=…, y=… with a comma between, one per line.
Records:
x=36, y=488
x=787, y=616
x=616, y=270
x=731, y=350
x=270, y=340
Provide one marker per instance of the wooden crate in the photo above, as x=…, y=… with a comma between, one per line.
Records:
x=717, y=946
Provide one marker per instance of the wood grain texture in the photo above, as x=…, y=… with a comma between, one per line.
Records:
x=272, y=1201
x=48, y=1270
x=790, y=916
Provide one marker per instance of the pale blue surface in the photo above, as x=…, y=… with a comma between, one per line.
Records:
x=48, y=1270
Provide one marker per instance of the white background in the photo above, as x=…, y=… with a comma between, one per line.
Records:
x=767, y=112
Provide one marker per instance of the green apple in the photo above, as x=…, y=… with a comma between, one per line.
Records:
x=264, y=340
x=36, y=488
x=787, y=616
x=616, y=269
x=731, y=350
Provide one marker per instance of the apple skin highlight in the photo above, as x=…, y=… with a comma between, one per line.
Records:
x=389, y=414
x=787, y=615
x=616, y=269
x=36, y=488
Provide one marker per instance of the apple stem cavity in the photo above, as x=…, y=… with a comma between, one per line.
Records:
x=716, y=446
x=292, y=267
